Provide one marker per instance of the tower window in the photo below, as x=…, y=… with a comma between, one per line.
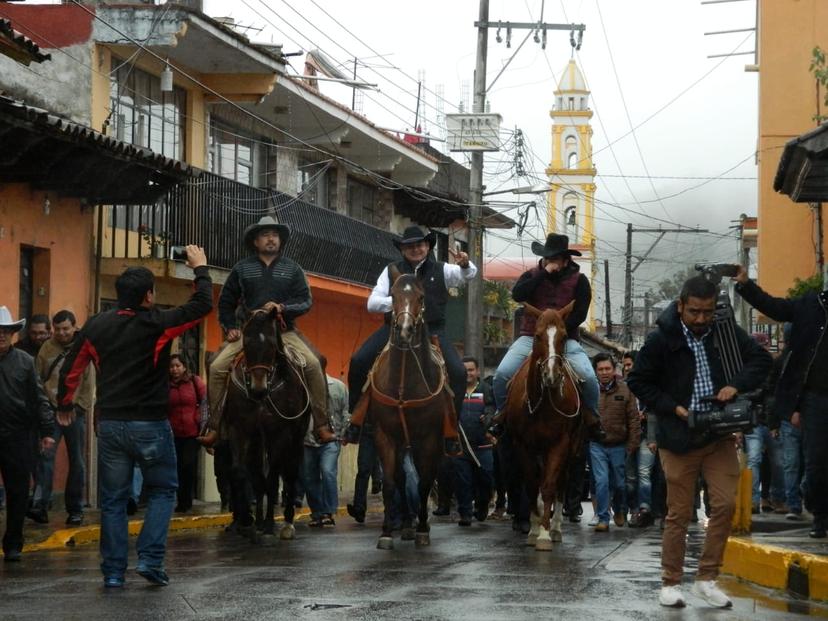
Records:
x=572, y=162
x=571, y=103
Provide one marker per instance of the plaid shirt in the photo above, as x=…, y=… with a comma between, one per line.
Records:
x=702, y=381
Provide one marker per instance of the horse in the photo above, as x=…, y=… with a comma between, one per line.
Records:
x=544, y=418
x=409, y=402
x=266, y=418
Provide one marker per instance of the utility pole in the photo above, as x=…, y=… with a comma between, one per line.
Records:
x=474, y=305
x=626, y=338
x=607, y=298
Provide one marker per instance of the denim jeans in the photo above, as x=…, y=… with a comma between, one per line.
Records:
x=412, y=491
x=319, y=470
x=646, y=459
x=791, y=464
x=814, y=410
x=756, y=443
x=75, y=436
x=137, y=484
x=607, y=464
x=121, y=446
x=520, y=350
x=473, y=484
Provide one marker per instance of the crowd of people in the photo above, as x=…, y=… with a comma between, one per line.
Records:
x=646, y=464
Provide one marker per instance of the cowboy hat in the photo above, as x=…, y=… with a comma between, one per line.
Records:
x=554, y=246
x=267, y=222
x=414, y=234
x=7, y=322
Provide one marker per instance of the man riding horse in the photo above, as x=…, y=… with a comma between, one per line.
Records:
x=436, y=277
x=266, y=279
x=553, y=283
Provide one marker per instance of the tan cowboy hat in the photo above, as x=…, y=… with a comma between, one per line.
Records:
x=7, y=322
x=267, y=222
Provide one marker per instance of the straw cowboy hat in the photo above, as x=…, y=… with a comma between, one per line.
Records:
x=267, y=222
x=414, y=234
x=8, y=323
x=555, y=245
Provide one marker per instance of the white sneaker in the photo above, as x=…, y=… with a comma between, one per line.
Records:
x=711, y=593
x=671, y=596
x=793, y=517
x=594, y=521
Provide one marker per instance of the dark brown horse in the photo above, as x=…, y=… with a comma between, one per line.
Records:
x=409, y=399
x=545, y=421
x=266, y=418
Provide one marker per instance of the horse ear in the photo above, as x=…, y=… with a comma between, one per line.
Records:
x=532, y=310
x=393, y=273
x=564, y=312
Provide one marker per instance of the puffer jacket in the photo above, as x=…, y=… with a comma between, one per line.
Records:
x=185, y=406
x=619, y=417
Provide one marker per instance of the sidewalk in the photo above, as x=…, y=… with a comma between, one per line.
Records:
x=779, y=554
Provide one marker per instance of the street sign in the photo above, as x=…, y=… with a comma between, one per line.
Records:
x=473, y=132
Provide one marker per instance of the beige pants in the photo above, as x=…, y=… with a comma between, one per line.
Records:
x=314, y=377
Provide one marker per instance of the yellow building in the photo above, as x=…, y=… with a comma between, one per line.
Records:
x=787, y=32
x=571, y=174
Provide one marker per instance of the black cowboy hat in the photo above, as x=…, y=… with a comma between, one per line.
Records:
x=267, y=222
x=414, y=234
x=555, y=245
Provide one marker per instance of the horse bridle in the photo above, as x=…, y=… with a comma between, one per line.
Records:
x=269, y=368
x=547, y=383
x=418, y=318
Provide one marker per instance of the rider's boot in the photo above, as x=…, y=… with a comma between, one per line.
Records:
x=595, y=430
x=451, y=435
x=497, y=424
x=352, y=433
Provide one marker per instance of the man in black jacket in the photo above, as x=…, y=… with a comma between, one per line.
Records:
x=23, y=407
x=802, y=389
x=130, y=348
x=679, y=370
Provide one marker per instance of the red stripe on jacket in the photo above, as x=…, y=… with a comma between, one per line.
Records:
x=168, y=335
x=86, y=353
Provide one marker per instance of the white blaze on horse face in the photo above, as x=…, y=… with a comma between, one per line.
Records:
x=551, y=331
x=406, y=325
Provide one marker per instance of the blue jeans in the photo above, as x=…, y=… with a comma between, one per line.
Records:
x=121, y=446
x=755, y=444
x=319, y=470
x=473, y=484
x=75, y=436
x=791, y=463
x=412, y=491
x=522, y=348
x=643, y=461
x=608, y=472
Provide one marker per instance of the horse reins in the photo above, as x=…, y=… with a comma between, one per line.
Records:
x=568, y=373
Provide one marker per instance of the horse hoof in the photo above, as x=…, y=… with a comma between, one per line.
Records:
x=407, y=534
x=421, y=540
x=531, y=540
x=556, y=536
x=287, y=533
x=385, y=543
x=543, y=545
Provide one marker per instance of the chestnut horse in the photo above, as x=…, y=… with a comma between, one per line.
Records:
x=266, y=418
x=409, y=399
x=544, y=419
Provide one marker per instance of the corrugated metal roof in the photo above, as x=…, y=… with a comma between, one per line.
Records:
x=803, y=168
x=23, y=48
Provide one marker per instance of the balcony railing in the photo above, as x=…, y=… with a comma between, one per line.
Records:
x=213, y=212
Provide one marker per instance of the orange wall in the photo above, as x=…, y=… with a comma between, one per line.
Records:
x=66, y=232
x=788, y=31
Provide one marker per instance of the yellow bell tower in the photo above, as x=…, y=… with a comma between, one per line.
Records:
x=571, y=207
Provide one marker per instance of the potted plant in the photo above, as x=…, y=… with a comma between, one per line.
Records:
x=157, y=242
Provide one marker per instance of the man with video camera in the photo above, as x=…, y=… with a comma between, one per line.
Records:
x=680, y=373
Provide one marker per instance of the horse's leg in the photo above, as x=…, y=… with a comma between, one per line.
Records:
x=428, y=460
x=531, y=478
x=239, y=475
x=552, y=466
x=257, y=478
x=405, y=470
x=387, y=453
x=271, y=491
x=291, y=462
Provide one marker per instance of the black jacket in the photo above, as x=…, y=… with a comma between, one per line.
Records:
x=662, y=377
x=808, y=315
x=24, y=405
x=131, y=352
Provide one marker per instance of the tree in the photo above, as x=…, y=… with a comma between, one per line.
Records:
x=820, y=70
x=669, y=288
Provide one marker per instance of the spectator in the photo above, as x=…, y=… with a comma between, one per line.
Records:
x=801, y=395
x=320, y=466
x=130, y=346
x=23, y=406
x=71, y=426
x=187, y=397
x=40, y=331
x=619, y=417
x=473, y=471
x=678, y=370
x=628, y=362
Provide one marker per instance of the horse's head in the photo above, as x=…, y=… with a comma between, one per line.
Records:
x=550, y=341
x=408, y=305
x=262, y=344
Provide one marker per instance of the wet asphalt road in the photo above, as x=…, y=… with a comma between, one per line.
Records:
x=481, y=572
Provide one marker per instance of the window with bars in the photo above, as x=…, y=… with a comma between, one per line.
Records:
x=237, y=156
x=142, y=114
x=362, y=201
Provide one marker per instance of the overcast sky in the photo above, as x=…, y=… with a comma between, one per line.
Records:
x=694, y=116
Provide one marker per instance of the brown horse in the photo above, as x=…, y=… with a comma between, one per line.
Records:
x=545, y=421
x=409, y=399
x=266, y=418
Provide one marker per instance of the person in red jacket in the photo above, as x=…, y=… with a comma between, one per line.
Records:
x=187, y=393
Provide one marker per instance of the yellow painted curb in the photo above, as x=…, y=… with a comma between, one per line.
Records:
x=769, y=566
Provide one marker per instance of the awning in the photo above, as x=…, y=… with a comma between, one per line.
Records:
x=19, y=47
x=51, y=153
x=803, y=169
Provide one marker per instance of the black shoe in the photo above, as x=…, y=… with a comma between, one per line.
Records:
x=818, y=531
x=351, y=434
x=38, y=515
x=441, y=511
x=158, y=577
x=315, y=522
x=481, y=514
x=74, y=519
x=575, y=518
x=328, y=520
x=132, y=507
x=13, y=556
x=465, y=520
x=376, y=488
x=357, y=514
x=497, y=429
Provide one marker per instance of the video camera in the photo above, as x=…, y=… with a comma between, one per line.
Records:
x=739, y=415
x=714, y=272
